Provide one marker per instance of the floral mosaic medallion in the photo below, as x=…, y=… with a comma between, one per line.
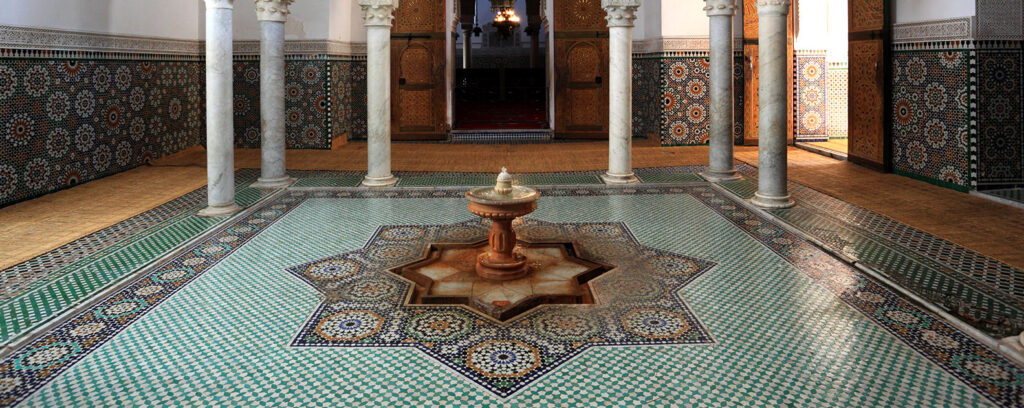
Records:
x=633, y=304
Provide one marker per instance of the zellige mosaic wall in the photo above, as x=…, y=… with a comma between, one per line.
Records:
x=931, y=134
x=70, y=120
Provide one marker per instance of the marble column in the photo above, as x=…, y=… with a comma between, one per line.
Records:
x=467, y=47
x=220, y=128
x=771, y=168
x=377, y=16
x=621, y=14
x=272, y=15
x=720, y=157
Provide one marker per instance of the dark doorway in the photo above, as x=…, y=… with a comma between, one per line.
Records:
x=501, y=83
x=500, y=98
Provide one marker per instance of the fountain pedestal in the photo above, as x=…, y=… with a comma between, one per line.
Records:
x=501, y=262
x=502, y=204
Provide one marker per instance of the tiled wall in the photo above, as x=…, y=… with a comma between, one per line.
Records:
x=325, y=98
x=837, y=99
x=810, y=97
x=671, y=99
x=931, y=123
x=67, y=119
x=1000, y=148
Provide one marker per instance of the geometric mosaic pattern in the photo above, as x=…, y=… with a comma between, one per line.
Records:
x=1000, y=117
x=837, y=99
x=67, y=121
x=810, y=98
x=931, y=109
x=324, y=99
x=981, y=291
x=671, y=98
x=44, y=287
x=635, y=303
x=790, y=322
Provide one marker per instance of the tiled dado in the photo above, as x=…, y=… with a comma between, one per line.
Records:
x=71, y=117
x=325, y=98
x=671, y=98
x=1000, y=149
x=810, y=96
x=932, y=110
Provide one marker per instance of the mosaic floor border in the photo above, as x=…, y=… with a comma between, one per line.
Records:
x=982, y=291
x=973, y=363
x=48, y=285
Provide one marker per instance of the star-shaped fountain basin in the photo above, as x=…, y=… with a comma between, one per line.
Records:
x=556, y=275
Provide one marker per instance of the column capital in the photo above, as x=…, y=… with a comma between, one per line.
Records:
x=770, y=7
x=220, y=4
x=621, y=13
x=720, y=7
x=378, y=12
x=272, y=10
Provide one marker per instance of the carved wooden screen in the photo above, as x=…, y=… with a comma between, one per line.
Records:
x=869, y=140
x=581, y=69
x=418, y=103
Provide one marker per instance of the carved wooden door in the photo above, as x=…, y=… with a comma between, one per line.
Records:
x=869, y=107
x=750, y=73
x=581, y=69
x=418, y=102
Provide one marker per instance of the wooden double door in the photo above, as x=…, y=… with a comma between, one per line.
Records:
x=419, y=105
x=581, y=70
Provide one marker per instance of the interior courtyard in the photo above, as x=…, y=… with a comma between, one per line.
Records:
x=512, y=203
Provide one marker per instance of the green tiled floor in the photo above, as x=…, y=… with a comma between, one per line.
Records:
x=77, y=282
x=781, y=338
x=955, y=288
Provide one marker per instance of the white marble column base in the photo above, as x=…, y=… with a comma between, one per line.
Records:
x=772, y=202
x=610, y=178
x=379, y=181
x=274, y=182
x=716, y=176
x=219, y=210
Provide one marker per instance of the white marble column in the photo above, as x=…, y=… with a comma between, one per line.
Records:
x=771, y=168
x=220, y=128
x=377, y=16
x=720, y=157
x=272, y=15
x=621, y=14
x=467, y=47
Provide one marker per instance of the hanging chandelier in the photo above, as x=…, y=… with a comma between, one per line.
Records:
x=506, y=21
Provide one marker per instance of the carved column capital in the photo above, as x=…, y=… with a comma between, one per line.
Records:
x=621, y=13
x=272, y=10
x=378, y=12
x=772, y=7
x=720, y=7
x=220, y=4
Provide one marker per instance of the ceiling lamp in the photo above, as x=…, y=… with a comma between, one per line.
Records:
x=506, y=21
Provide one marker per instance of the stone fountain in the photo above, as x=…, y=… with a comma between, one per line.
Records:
x=503, y=275
x=502, y=204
